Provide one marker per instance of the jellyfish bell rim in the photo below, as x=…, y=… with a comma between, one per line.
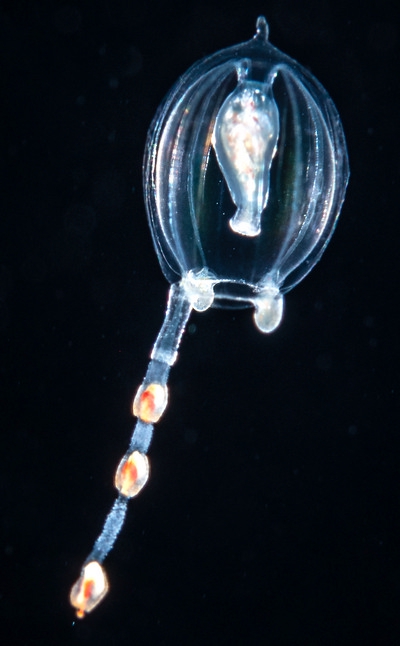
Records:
x=267, y=300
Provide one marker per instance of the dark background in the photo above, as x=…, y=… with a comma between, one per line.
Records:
x=272, y=513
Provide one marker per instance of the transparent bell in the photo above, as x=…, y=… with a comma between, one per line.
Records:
x=245, y=173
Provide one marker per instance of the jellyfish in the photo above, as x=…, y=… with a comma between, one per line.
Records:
x=245, y=172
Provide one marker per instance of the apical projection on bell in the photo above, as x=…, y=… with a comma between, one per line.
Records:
x=245, y=173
